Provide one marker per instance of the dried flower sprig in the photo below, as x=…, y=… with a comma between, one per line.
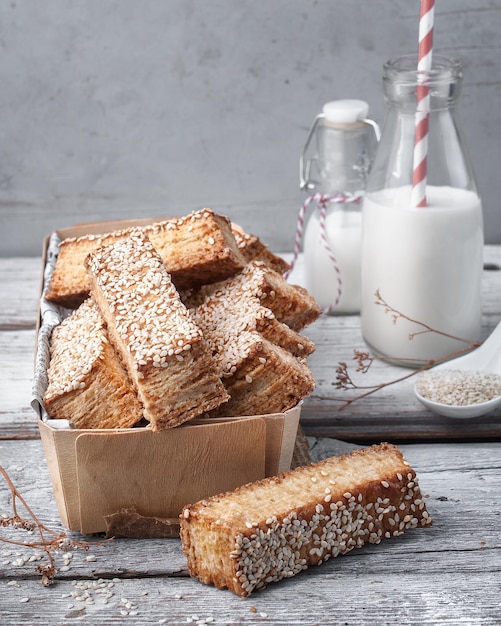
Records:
x=49, y=541
x=344, y=380
x=365, y=360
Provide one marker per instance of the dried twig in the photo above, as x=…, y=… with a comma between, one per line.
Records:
x=365, y=360
x=49, y=541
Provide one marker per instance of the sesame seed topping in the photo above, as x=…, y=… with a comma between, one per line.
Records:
x=233, y=319
x=76, y=344
x=149, y=316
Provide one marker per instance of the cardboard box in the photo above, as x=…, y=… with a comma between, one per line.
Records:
x=98, y=474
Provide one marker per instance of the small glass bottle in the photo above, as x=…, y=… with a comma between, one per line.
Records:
x=422, y=265
x=342, y=142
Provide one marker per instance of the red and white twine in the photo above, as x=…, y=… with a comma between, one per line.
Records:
x=425, y=50
x=322, y=202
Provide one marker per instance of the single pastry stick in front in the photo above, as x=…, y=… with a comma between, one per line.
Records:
x=275, y=528
x=163, y=350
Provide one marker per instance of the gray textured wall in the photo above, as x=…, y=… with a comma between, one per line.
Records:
x=118, y=108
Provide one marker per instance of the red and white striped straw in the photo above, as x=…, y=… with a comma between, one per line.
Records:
x=425, y=50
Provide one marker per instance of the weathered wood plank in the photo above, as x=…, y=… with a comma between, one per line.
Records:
x=17, y=418
x=448, y=573
x=374, y=595
x=445, y=470
x=19, y=285
x=392, y=413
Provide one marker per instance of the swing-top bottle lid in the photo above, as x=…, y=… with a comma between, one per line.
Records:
x=345, y=111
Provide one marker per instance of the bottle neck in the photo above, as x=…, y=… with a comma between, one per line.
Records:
x=401, y=81
x=447, y=161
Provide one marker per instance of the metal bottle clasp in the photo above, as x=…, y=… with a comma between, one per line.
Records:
x=305, y=164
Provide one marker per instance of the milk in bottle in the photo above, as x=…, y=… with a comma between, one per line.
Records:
x=423, y=263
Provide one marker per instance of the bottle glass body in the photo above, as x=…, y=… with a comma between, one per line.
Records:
x=424, y=263
x=343, y=158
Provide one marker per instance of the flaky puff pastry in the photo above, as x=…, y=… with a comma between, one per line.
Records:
x=290, y=304
x=196, y=249
x=164, y=352
x=254, y=249
x=275, y=528
x=87, y=383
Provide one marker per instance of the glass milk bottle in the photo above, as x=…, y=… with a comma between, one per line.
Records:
x=342, y=141
x=424, y=263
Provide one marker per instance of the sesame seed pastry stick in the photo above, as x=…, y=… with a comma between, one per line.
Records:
x=260, y=377
x=69, y=284
x=87, y=383
x=291, y=304
x=254, y=249
x=253, y=350
x=196, y=249
x=163, y=350
x=235, y=307
x=275, y=528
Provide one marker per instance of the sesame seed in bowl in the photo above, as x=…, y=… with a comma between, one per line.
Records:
x=459, y=393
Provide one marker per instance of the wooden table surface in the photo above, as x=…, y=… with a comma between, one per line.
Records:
x=449, y=573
